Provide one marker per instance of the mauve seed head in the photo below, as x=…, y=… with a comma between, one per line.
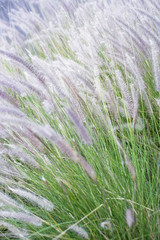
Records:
x=130, y=217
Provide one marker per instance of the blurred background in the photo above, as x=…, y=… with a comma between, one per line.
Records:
x=7, y=6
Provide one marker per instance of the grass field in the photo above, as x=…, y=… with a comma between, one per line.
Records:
x=80, y=121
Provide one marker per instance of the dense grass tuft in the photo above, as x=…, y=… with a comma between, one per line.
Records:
x=80, y=121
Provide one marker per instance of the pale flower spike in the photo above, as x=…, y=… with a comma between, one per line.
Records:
x=42, y=202
x=80, y=231
x=130, y=220
x=17, y=232
x=107, y=225
x=21, y=216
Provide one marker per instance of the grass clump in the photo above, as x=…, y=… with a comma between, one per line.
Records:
x=79, y=122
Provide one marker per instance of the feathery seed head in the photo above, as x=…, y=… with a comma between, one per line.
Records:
x=130, y=217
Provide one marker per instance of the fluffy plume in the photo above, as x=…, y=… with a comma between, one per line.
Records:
x=79, y=125
x=156, y=65
x=24, y=63
x=12, y=151
x=7, y=169
x=80, y=231
x=125, y=91
x=130, y=217
x=151, y=34
x=135, y=70
x=42, y=202
x=17, y=232
x=135, y=97
x=12, y=111
x=107, y=225
x=57, y=139
x=21, y=216
x=8, y=201
x=8, y=98
x=127, y=160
